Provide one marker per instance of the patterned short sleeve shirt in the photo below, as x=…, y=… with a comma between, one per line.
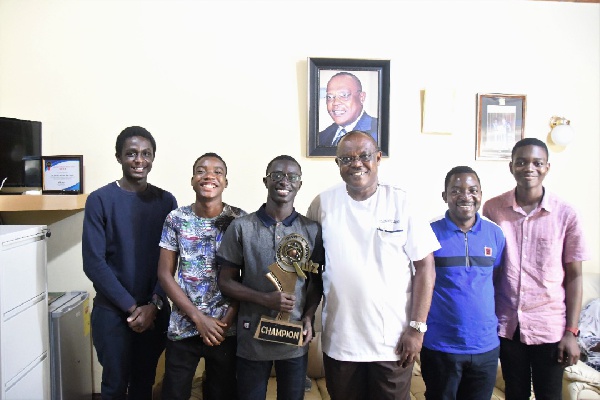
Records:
x=197, y=240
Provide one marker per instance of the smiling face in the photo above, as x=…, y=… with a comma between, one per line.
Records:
x=360, y=173
x=136, y=158
x=283, y=191
x=529, y=166
x=344, y=111
x=209, y=179
x=463, y=196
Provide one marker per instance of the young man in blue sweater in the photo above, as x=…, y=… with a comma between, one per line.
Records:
x=121, y=231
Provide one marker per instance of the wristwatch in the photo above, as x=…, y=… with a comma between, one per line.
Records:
x=574, y=331
x=157, y=301
x=419, y=326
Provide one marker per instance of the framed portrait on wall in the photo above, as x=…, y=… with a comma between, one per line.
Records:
x=500, y=124
x=346, y=95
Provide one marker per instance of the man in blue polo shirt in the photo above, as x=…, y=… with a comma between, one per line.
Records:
x=460, y=350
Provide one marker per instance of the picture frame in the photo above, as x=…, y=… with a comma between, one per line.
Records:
x=62, y=174
x=500, y=124
x=366, y=108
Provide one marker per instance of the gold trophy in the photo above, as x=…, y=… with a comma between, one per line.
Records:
x=291, y=261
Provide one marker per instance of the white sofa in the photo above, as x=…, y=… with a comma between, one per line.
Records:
x=581, y=382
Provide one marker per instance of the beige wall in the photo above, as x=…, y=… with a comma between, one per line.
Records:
x=231, y=77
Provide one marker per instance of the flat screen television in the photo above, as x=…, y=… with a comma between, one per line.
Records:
x=20, y=153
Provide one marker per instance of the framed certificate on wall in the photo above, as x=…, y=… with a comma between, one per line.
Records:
x=62, y=174
x=500, y=124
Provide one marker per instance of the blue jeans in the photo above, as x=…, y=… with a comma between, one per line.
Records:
x=182, y=357
x=523, y=363
x=459, y=376
x=253, y=377
x=128, y=358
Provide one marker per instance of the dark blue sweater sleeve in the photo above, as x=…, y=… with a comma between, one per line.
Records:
x=94, y=250
x=158, y=289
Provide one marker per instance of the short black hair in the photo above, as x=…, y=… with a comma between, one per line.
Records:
x=354, y=77
x=461, y=169
x=132, y=131
x=215, y=155
x=283, y=158
x=530, y=142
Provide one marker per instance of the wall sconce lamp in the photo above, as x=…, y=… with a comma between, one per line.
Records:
x=562, y=134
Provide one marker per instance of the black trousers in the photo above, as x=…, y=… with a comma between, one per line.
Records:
x=523, y=364
x=450, y=376
x=181, y=360
x=381, y=380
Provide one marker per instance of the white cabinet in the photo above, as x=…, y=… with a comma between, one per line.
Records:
x=24, y=351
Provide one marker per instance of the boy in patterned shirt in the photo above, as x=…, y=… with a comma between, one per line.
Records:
x=202, y=322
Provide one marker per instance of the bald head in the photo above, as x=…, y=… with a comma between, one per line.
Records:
x=352, y=134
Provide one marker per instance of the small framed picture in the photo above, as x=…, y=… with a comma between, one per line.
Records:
x=62, y=174
x=346, y=95
x=500, y=124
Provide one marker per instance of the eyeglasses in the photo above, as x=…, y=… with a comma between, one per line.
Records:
x=343, y=96
x=276, y=176
x=366, y=157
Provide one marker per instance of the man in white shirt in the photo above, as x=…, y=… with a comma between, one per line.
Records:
x=374, y=311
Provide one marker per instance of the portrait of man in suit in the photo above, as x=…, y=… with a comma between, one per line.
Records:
x=345, y=100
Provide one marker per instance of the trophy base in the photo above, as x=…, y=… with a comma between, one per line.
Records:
x=283, y=332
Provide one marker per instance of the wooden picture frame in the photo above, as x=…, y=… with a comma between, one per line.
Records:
x=62, y=174
x=358, y=100
x=500, y=124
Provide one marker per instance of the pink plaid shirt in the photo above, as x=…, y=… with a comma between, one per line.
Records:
x=530, y=288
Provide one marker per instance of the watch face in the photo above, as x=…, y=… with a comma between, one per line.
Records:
x=158, y=303
x=419, y=326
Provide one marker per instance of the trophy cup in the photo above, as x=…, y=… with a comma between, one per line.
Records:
x=291, y=261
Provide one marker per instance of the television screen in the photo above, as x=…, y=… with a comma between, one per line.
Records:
x=20, y=150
